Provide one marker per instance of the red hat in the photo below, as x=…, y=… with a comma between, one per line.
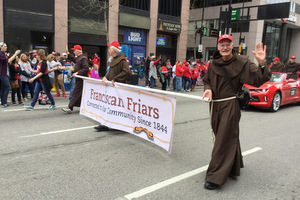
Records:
x=34, y=54
x=276, y=59
x=198, y=60
x=77, y=47
x=114, y=44
x=292, y=57
x=225, y=36
x=185, y=63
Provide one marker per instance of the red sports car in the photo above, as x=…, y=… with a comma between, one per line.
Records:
x=276, y=92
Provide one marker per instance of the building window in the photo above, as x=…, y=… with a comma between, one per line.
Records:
x=194, y=4
x=40, y=6
x=240, y=26
x=170, y=7
x=271, y=38
x=139, y=4
x=297, y=8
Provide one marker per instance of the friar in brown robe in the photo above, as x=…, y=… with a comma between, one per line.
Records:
x=277, y=65
x=118, y=71
x=81, y=68
x=291, y=68
x=226, y=155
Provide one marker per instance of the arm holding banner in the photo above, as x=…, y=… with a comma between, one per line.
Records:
x=83, y=71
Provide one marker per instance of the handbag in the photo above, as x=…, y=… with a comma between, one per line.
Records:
x=243, y=96
x=14, y=84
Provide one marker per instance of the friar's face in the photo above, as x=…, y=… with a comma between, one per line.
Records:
x=225, y=47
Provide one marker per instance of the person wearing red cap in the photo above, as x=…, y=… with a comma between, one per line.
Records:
x=81, y=68
x=291, y=68
x=226, y=158
x=277, y=66
x=117, y=71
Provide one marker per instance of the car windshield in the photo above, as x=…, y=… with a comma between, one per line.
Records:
x=276, y=78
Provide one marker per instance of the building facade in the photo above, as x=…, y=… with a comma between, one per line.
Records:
x=143, y=27
x=281, y=35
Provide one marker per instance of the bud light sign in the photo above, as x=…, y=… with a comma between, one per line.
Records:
x=134, y=36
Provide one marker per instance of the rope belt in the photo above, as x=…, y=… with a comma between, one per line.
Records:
x=210, y=115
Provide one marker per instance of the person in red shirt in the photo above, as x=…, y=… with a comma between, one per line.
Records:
x=43, y=81
x=186, y=78
x=15, y=70
x=164, y=72
x=179, y=73
x=169, y=68
x=96, y=60
x=194, y=76
x=199, y=71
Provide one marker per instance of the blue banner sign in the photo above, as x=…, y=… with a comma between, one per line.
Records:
x=161, y=41
x=135, y=36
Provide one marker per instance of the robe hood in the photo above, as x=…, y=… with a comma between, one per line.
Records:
x=117, y=59
x=232, y=68
x=80, y=57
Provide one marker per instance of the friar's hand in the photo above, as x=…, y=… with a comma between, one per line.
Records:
x=103, y=80
x=207, y=94
x=260, y=53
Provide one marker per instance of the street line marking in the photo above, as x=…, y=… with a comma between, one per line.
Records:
x=54, y=132
x=175, y=179
x=255, y=149
x=35, y=108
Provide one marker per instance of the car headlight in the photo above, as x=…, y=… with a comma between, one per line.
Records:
x=261, y=90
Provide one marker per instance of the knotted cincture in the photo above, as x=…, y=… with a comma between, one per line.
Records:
x=210, y=115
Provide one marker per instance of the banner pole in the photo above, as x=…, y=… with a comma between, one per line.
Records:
x=149, y=89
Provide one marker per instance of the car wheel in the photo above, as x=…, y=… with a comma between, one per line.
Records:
x=276, y=102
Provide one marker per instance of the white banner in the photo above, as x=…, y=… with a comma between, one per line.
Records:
x=144, y=114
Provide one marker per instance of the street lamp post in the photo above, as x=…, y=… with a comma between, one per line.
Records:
x=229, y=17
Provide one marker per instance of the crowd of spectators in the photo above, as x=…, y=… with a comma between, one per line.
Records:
x=186, y=75
x=17, y=74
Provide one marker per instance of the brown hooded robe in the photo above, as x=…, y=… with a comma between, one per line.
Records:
x=82, y=67
x=226, y=155
x=291, y=70
x=279, y=67
x=119, y=70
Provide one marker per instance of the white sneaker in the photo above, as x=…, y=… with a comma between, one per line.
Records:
x=67, y=110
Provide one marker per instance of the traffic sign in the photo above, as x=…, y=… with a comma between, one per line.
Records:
x=200, y=48
x=205, y=31
x=214, y=32
x=235, y=14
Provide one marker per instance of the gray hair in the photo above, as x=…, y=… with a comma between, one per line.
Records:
x=1, y=44
x=117, y=50
x=42, y=51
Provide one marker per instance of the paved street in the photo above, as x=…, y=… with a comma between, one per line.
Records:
x=52, y=155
